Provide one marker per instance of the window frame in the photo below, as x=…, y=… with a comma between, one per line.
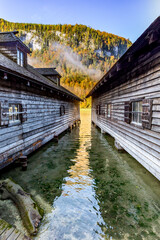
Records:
x=136, y=123
x=10, y=117
x=108, y=110
x=20, y=57
x=14, y=121
x=146, y=113
x=62, y=110
x=98, y=110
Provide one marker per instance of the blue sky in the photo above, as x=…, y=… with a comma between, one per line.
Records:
x=127, y=18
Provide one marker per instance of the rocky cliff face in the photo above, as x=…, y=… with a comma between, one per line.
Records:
x=37, y=41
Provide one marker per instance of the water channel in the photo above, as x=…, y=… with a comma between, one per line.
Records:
x=88, y=190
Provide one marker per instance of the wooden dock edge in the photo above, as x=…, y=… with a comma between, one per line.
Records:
x=8, y=232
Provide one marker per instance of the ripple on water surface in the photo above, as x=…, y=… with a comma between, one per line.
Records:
x=89, y=190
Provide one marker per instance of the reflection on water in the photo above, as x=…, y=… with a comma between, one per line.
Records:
x=88, y=190
x=128, y=195
x=75, y=213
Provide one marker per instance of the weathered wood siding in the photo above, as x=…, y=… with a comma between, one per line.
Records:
x=142, y=144
x=43, y=123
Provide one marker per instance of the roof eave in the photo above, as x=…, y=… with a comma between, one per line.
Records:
x=129, y=51
x=33, y=80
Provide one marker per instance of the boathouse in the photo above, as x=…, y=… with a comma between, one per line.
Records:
x=50, y=73
x=126, y=101
x=34, y=108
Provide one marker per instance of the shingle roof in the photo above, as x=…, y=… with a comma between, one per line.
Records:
x=141, y=42
x=47, y=71
x=11, y=37
x=31, y=74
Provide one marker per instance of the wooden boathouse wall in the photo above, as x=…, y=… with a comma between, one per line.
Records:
x=43, y=122
x=139, y=80
x=33, y=109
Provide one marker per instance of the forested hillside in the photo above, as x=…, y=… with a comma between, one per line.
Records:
x=81, y=54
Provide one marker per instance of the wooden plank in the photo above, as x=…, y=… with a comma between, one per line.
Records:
x=145, y=143
x=7, y=233
x=135, y=83
x=15, y=234
x=42, y=119
x=1, y=231
x=136, y=152
x=23, y=237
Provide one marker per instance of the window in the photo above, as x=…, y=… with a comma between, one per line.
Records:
x=137, y=112
x=108, y=108
x=62, y=110
x=98, y=110
x=20, y=58
x=14, y=115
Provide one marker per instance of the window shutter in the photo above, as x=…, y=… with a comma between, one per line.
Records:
x=23, y=116
x=127, y=112
x=60, y=111
x=20, y=110
x=111, y=110
x=4, y=110
x=106, y=110
x=103, y=110
x=97, y=109
x=147, y=113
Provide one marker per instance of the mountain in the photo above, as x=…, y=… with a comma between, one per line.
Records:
x=80, y=53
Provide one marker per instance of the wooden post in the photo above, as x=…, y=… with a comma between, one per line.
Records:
x=118, y=146
x=93, y=123
x=102, y=131
x=69, y=129
x=55, y=139
x=23, y=162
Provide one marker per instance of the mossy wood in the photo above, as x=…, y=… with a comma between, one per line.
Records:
x=10, y=233
x=28, y=209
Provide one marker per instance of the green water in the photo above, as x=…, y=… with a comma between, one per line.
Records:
x=88, y=190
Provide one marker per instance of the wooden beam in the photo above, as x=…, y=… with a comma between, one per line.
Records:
x=118, y=67
x=28, y=84
x=110, y=75
x=152, y=37
x=130, y=57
